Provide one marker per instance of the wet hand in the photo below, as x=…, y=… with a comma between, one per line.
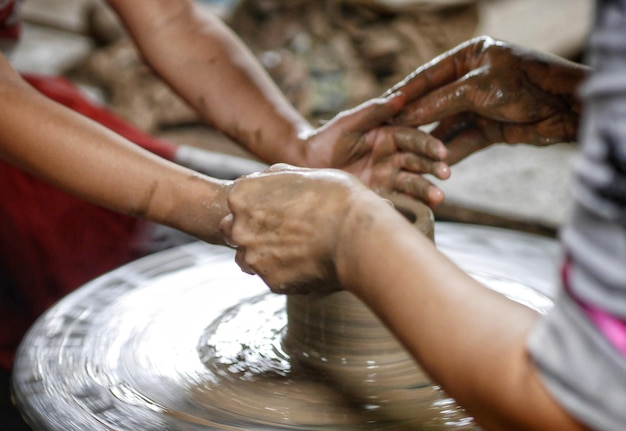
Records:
x=486, y=91
x=384, y=157
x=285, y=224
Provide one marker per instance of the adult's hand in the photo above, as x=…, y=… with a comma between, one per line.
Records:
x=287, y=223
x=247, y=106
x=385, y=158
x=486, y=91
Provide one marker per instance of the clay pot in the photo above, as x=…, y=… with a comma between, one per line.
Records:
x=338, y=336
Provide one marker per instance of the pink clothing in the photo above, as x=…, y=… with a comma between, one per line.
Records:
x=613, y=329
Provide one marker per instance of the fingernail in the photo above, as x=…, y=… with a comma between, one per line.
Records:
x=397, y=99
x=435, y=196
x=443, y=171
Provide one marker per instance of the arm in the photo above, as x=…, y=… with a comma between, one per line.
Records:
x=216, y=74
x=483, y=363
x=88, y=160
x=209, y=66
x=486, y=91
x=355, y=240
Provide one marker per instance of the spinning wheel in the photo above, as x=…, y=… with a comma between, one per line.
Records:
x=183, y=340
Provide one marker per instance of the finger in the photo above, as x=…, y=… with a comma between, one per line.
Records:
x=282, y=167
x=390, y=203
x=419, y=143
x=419, y=188
x=370, y=114
x=466, y=143
x=443, y=102
x=420, y=165
x=439, y=72
x=547, y=132
x=226, y=228
x=509, y=133
x=240, y=258
x=449, y=127
x=487, y=132
x=278, y=167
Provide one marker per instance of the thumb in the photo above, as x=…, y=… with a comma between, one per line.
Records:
x=226, y=229
x=443, y=102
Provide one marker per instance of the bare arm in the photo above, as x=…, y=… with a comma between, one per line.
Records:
x=327, y=227
x=209, y=66
x=471, y=340
x=88, y=160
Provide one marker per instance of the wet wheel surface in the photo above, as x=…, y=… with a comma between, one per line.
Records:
x=183, y=340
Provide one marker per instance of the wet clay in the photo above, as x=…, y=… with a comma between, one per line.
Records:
x=323, y=361
x=183, y=340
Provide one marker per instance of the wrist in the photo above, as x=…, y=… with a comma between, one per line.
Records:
x=363, y=225
x=213, y=208
x=300, y=146
x=198, y=206
x=291, y=147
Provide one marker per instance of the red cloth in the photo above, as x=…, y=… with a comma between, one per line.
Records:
x=52, y=242
x=9, y=24
x=65, y=92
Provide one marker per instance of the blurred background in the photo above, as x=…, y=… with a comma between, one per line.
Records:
x=328, y=55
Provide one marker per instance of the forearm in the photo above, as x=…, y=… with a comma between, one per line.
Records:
x=468, y=338
x=216, y=74
x=90, y=161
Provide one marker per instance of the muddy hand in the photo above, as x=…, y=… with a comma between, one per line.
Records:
x=486, y=91
x=384, y=157
x=285, y=223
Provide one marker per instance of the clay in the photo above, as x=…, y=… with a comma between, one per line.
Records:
x=183, y=340
x=340, y=337
x=329, y=362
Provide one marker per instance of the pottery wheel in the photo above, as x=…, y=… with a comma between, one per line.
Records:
x=183, y=340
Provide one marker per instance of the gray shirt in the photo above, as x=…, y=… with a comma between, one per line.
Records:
x=580, y=367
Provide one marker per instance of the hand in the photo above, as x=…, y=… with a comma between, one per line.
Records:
x=486, y=91
x=385, y=158
x=286, y=223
